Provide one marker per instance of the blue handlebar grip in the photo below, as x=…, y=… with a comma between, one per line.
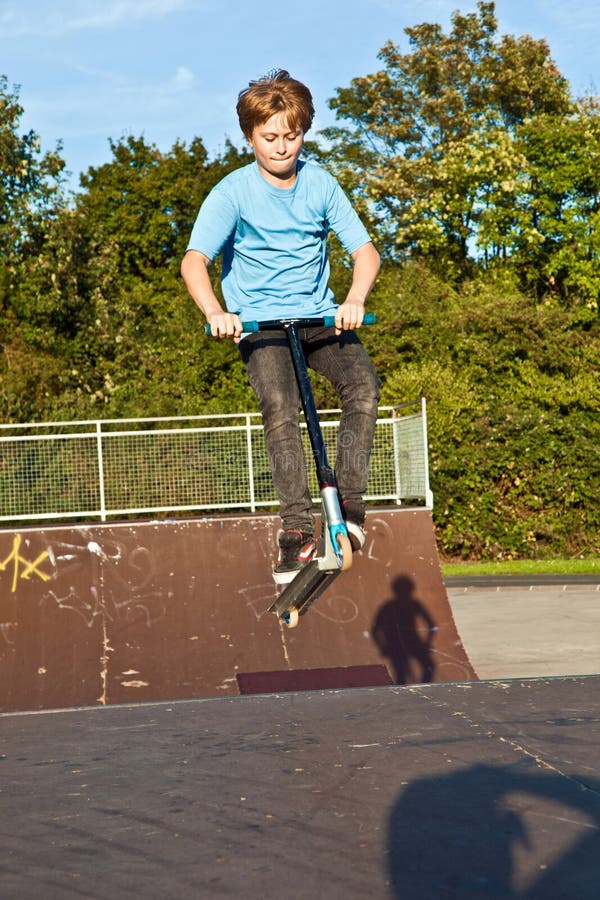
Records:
x=369, y=319
x=247, y=326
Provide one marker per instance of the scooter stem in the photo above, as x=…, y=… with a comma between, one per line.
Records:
x=325, y=475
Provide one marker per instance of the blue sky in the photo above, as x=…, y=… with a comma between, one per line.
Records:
x=90, y=70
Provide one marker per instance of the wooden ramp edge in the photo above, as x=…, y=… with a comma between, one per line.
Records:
x=145, y=611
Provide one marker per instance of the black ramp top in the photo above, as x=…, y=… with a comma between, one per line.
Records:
x=479, y=790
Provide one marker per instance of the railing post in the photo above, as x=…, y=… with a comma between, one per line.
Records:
x=428, y=491
x=397, y=472
x=100, y=471
x=250, y=462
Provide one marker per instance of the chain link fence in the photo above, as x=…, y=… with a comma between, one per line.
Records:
x=101, y=468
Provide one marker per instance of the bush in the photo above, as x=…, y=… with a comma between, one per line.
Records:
x=512, y=395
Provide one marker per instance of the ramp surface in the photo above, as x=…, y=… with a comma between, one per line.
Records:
x=140, y=612
x=463, y=792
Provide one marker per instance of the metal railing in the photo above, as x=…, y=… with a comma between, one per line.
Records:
x=100, y=468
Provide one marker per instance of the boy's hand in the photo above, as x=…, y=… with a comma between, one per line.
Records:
x=225, y=325
x=349, y=315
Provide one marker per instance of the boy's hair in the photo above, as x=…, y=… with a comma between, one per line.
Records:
x=275, y=92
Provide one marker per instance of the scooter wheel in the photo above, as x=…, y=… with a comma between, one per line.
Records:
x=291, y=618
x=345, y=550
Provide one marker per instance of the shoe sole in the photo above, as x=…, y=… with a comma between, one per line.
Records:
x=285, y=577
x=357, y=535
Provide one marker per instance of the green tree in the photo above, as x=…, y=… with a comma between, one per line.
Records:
x=513, y=395
x=30, y=181
x=144, y=201
x=554, y=220
x=31, y=198
x=101, y=302
x=431, y=138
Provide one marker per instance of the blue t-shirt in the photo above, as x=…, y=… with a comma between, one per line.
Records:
x=274, y=240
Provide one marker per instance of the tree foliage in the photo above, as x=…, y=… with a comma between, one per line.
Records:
x=453, y=148
x=513, y=398
x=100, y=298
x=30, y=186
x=552, y=225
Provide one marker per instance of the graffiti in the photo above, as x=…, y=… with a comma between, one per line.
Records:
x=337, y=608
x=87, y=608
x=8, y=630
x=23, y=568
x=258, y=597
x=381, y=539
x=117, y=596
x=124, y=588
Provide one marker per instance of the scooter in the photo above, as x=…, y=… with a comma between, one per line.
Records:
x=311, y=581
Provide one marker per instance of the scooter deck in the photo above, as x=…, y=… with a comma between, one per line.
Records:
x=304, y=589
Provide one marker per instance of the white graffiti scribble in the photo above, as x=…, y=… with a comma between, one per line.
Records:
x=116, y=597
x=7, y=630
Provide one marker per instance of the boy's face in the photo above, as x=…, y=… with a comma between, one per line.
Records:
x=277, y=148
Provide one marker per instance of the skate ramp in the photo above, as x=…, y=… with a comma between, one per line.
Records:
x=148, y=611
x=463, y=791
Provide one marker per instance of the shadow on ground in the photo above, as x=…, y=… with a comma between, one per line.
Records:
x=490, y=832
x=403, y=631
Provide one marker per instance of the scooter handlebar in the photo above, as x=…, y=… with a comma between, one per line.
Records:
x=324, y=321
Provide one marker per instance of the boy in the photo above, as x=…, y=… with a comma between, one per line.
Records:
x=270, y=220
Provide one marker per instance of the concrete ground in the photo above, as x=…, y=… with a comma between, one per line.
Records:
x=515, y=629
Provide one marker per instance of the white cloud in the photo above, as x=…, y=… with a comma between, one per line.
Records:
x=118, y=13
x=183, y=80
x=121, y=104
x=149, y=95
x=43, y=19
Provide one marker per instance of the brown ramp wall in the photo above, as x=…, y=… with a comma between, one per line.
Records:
x=165, y=610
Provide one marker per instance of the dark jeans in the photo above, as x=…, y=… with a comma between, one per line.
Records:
x=344, y=362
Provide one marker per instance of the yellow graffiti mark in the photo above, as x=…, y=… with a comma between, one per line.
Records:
x=28, y=568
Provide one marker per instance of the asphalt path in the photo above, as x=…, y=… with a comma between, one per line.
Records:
x=524, y=627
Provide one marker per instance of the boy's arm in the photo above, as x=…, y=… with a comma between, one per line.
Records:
x=351, y=312
x=194, y=271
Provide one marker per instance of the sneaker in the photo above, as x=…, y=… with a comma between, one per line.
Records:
x=354, y=514
x=296, y=549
